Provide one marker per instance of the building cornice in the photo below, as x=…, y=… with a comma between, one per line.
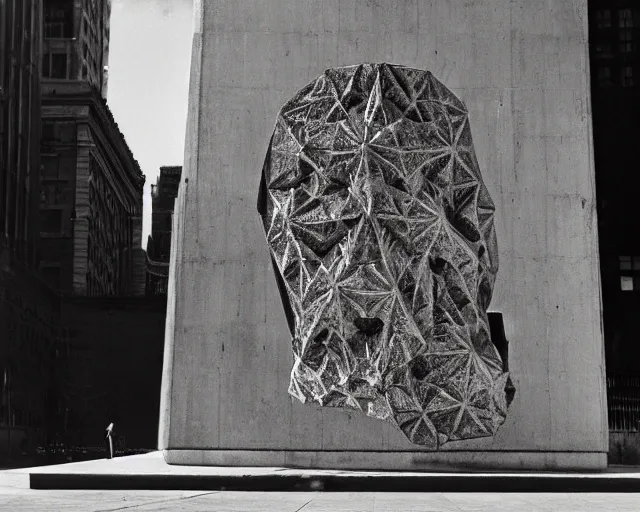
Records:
x=70, y=99
x=172, y=170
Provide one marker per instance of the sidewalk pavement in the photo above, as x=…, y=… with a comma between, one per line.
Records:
x=366, y=495
x=23, y=500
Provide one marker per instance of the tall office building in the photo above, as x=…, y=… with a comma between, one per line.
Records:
x=91, y=202
x=20, y=50
x=91, y=236
x=29, y=310
x=615, y=85
x=76, y=44
x=163, y=195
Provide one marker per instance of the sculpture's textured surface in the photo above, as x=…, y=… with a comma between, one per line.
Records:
x=382, y=233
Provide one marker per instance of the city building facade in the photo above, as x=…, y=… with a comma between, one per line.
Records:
x=614, y=33
x=112, y=361
x=91, y=201
x=615, y=62
x=29, y=309
x=70, y=237
x=76, y=41
x=20, y=51
x=90, y=240
x=163, y=195
x=71, y=209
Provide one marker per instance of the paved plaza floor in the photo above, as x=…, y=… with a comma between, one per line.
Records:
x=18, y=500
x=17, y=492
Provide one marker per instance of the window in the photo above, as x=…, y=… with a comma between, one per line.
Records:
x=603, y=18
x=48, y=132
x=625, y=18
x=603, y=48
x=61, y=131
x=59, y=65
x=66, y=132
x=51, y=221
x=627, y=76
x=604, y=76
x=53, y=30
x=59, y=18
x=626, y=283
x=629, y=273
x=54, y=193
x=52, y=276
x=627, y=47
x=46, y=67
x=626, y=40
x=50, y=164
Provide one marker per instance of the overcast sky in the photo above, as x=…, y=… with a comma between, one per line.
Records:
x=149, y=57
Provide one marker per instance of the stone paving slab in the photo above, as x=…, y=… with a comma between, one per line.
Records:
x=23, y=500
x=150, y=472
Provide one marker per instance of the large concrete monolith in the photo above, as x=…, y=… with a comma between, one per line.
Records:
x=522, y=70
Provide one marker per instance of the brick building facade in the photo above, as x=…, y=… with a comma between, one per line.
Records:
x=91, y=202
x=73, y=337
x=76, y=41
x=163, y=195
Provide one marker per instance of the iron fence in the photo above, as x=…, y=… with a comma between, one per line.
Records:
x=623, y=399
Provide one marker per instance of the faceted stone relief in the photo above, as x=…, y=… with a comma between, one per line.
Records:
x=382, y=238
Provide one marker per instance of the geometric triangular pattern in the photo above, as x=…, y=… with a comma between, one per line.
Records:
x=382, y=232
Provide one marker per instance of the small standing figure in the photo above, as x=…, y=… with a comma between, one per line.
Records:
x=109, y=440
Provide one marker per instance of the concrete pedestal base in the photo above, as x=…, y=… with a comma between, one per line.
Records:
x=393, y=461
x=151, y=472
x=522, y=69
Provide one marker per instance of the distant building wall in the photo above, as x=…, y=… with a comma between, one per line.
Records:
x=76, y=45
x=70, y=220
x=28, y=308
x=113, y=363
x=91, y=206
x=29, y=320
x=614, y=29
x=163, y=195
x=57, y=200
x=20, y=51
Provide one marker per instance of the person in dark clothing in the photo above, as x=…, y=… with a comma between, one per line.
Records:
x=109, y=441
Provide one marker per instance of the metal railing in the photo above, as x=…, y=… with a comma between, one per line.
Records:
x=623, y=400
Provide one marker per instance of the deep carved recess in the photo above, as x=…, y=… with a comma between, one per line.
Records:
x=381, y=233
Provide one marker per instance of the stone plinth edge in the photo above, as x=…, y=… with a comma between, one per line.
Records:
x=392, y=460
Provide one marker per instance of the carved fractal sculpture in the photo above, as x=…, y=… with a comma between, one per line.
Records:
x=381, y=233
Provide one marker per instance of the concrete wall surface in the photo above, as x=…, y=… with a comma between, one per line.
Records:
x=521, y=67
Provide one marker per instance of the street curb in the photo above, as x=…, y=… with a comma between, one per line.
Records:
x=340, y=483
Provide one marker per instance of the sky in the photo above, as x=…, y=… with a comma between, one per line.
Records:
x=149, y=59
